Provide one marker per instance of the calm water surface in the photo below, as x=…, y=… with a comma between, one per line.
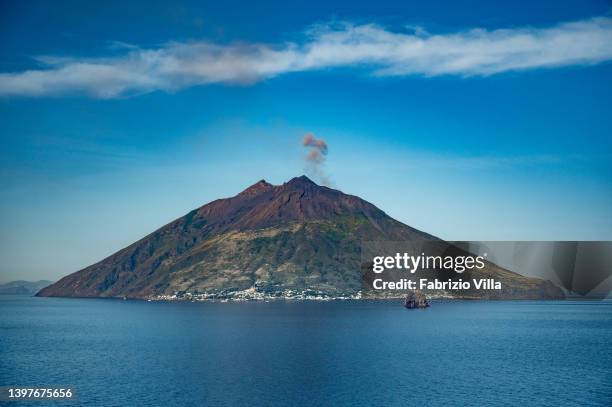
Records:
x=309, y=353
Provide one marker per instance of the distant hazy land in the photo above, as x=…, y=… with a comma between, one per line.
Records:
x=24, y=287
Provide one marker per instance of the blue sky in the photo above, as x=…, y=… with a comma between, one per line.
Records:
x=471, y=122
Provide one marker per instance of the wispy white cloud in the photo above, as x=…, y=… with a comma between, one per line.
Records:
x=382, y=52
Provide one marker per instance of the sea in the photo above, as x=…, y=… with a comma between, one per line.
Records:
x=308, y=353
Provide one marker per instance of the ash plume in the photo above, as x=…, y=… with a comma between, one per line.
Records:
x=315, y=159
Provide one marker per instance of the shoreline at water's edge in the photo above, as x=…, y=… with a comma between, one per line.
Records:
x=327, y=299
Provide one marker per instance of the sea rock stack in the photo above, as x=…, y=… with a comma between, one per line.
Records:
x=416, y=299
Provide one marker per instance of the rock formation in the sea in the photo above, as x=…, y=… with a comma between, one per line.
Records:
x=298, y=239
x=415, y=299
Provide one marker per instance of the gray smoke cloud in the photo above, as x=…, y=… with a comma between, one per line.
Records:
x=315, y=159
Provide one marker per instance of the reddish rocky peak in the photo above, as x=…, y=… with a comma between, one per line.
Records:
x=297, y=183
x=257, y=188
x=302, y=179
x=300, y=182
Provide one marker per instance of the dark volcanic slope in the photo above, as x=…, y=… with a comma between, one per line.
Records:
x=295, y=236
